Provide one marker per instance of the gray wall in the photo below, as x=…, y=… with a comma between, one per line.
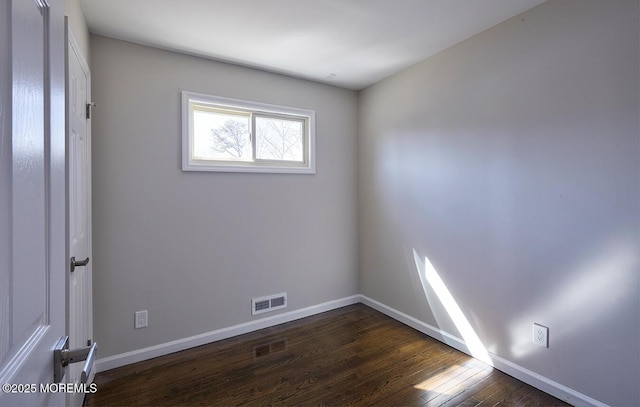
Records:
x=194, y=248
x=511, y=162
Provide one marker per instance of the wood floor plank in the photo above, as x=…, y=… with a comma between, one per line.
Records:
x=387, y=383
x=379, y=377
x=351, y=356
x=458, y=385
x=503, y=390
x=337, y=369
x=474, y=394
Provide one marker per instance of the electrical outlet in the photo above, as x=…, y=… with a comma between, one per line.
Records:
x=540, y=335
x=141, y=319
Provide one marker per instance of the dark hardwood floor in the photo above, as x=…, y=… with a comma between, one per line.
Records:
x=352, y=356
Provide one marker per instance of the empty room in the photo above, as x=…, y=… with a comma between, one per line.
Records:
x=332, y=202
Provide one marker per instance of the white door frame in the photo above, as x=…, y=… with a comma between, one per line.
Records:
x=78, y=130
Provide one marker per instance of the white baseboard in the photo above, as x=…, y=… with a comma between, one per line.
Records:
x=540, y=382
x=122, y=359
x=548, y=386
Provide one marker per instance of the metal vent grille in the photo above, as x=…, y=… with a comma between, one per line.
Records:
x=277, y=302
x=261, y=305
x=268, y=303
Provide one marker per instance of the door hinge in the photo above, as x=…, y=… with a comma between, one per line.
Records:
x=73, y=263
x=89, y=106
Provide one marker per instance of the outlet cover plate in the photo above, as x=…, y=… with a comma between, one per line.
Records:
x=540, y=335
x=141, y=319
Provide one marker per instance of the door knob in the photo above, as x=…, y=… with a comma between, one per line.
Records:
x=63, y=356
x=74, y=263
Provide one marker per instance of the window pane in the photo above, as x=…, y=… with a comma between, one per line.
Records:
x=279, y=139
x=219, y=135
x=232, y=135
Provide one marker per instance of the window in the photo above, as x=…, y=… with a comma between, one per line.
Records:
x=222, y=134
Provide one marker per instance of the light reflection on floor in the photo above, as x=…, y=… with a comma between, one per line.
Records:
x=454, y=379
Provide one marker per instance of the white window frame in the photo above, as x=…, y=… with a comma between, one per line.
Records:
x=189, y=163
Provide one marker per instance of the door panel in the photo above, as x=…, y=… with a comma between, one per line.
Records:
x=31, y=307
x=29, y=194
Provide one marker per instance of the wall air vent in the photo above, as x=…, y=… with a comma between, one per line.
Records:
x=268, y=303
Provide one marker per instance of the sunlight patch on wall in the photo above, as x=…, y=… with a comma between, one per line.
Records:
x=588, y=297
x=431, y=280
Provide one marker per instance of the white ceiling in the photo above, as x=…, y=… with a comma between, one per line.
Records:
x=347, y=43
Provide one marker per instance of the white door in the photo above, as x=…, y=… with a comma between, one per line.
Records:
x=32, y=198
x=79, y=182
